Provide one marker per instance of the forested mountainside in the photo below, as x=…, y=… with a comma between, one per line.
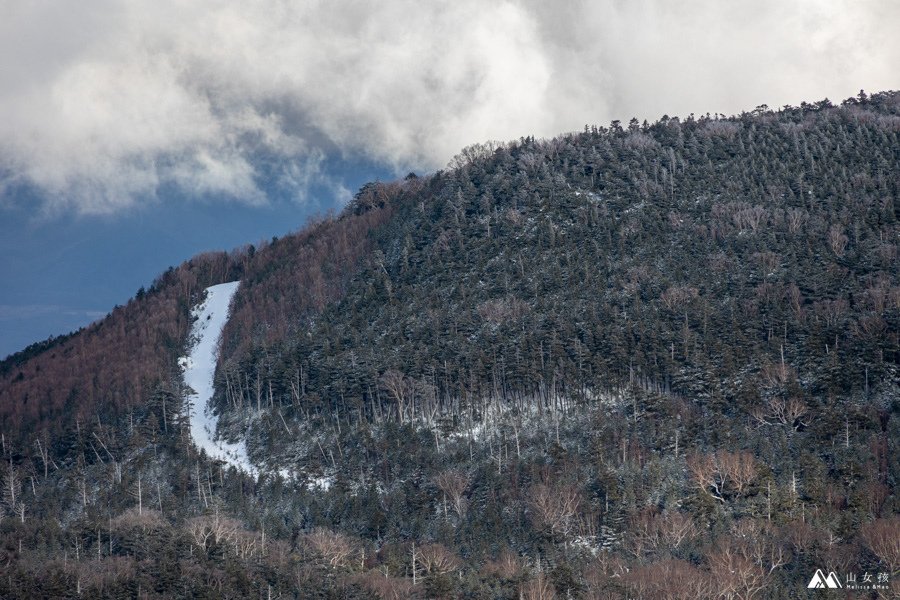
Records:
x=646, y=361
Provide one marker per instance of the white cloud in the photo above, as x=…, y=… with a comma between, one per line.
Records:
x=104, y=102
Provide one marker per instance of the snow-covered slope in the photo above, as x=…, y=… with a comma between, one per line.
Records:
x=200, y=368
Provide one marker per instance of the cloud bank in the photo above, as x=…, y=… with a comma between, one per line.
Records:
x=106, y=103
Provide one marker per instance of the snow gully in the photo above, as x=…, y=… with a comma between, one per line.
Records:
x=199, y=369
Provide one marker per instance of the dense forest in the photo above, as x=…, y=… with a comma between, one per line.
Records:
x=648, y=360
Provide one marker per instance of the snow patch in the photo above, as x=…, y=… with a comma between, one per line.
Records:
x=322, y=483
x=588, y=544
x=199, y=370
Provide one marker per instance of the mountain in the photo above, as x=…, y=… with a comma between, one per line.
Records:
x=644, y=360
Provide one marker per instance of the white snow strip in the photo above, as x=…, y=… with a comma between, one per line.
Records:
x=199, y=370
x=322, y=483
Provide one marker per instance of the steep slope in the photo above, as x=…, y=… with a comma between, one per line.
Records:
x=110, y=367
x=658, y=360
x=126, y=362
x=731, y=261
x=199, y=371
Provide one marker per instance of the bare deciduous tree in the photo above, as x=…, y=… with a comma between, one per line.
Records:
x=741, y=468
x=676, y=528
x=706, y=475
x=452, y=484
x=743, y=564
x=722, y=472
x=554, y=508
x=436, y=558
x=652, y=531
x=209, y=530
x=388, y=588
x=670, y=580
x=537, y=588
x=795, y=300
x=782, y=411
x=837, y=241
x=505, y=566
x=801, y=536
x=796, y=217
x=334, y=548
x=679, y=296
x=400, y=388
x=831, y=311
x=882, y=536
x=474, y=152
x=12, y=493
x=751, y=217
x=736, y=577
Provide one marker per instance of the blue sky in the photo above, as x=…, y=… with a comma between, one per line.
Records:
x=136, y=134
x=63, y=272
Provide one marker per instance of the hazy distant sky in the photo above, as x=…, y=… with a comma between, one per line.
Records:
x=117, y=108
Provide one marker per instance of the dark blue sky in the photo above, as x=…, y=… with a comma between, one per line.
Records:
x=60, y=273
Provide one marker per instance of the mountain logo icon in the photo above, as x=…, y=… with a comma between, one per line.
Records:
x=820, y=581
